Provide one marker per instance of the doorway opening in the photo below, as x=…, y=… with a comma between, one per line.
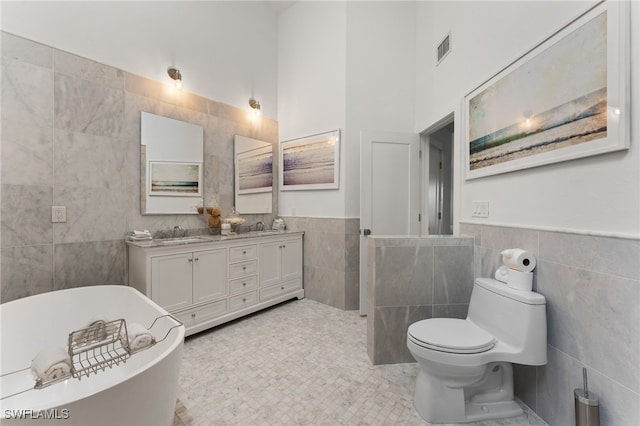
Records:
x=437, y=194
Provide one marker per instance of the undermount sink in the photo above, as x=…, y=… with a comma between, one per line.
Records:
x=184, y=240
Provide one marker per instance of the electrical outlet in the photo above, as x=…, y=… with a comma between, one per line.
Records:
x=58, y=214
x=480, y=209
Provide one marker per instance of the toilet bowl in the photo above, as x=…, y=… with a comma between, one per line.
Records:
x=466, y=371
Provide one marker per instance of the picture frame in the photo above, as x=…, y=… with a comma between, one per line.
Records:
x=175, y=179
x=311, y=162
x=254, y=171
x=525, y=116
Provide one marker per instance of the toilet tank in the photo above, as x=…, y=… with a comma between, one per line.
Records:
x=515, y=317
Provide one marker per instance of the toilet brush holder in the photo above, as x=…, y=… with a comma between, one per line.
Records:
x=587, y=405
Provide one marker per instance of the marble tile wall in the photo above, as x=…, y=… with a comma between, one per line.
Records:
x=331, y=259
x=71, y=136
x=592, y=287
x=411, y=279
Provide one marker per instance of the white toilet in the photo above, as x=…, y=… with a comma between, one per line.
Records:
x=465, y=365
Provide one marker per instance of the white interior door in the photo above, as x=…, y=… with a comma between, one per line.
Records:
x=389, y=191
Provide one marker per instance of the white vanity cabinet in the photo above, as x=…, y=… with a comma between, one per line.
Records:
x=181, y=280
x=207, y=283
x=243, y=276
x=280, y=267
x=172, y=289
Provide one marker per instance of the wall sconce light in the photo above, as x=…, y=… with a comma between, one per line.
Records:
x=255, y=105
x=175, y=74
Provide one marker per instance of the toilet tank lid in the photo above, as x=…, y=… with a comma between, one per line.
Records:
x=495, y=286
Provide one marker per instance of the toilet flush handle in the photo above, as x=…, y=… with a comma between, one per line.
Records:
x=366, y=232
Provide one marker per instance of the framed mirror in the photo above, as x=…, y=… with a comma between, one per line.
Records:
x=171, y=166
x=253, y=161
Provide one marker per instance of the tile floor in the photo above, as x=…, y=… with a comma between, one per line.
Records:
x=298, y=363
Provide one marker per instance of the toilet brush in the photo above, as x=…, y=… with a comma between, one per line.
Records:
x=587, y=407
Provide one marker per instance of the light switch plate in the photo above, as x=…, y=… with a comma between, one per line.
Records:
x=58, y=214
x=480, y=209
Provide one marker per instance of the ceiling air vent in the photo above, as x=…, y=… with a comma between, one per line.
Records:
x=444, y=48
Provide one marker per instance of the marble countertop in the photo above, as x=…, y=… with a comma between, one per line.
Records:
x=198, y=239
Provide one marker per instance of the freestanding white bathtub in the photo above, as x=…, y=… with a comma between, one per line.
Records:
x=141, y=391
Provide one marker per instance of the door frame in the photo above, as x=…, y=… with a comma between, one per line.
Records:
x=425, y=141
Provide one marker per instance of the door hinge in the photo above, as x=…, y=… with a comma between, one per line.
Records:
x=420, y=154
x=419, y=217
x=439, y=215
x=441, y=165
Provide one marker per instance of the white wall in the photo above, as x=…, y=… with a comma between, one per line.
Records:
x=349, y=65
x=594, y=195
x=312, y=92
x=381, y=40
x=226, y=50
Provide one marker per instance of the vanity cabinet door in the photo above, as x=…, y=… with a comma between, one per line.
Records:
x=209, y=275
x=291, y=262
x=270, y=258
x=280, y=261
x=171, y=280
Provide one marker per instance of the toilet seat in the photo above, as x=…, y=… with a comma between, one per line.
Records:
x=450, y=335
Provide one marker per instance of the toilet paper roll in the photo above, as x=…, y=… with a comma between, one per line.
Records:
x=519, y=260
x=520, y=280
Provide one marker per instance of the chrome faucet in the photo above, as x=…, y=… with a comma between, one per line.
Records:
x=260, y=226
x=178, y=231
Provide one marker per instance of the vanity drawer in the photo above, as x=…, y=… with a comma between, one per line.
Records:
x=243, y=269
x=237, y=254
x=202, y=313
x=243, y=300
x=243, y=284
x=280, y=289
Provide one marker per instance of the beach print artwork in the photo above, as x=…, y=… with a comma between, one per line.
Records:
x=555, y=100
x=255, y=170
x=175, y=179
x=311, y=163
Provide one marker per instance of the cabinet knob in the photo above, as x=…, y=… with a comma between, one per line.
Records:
x=284, y=245
x=244, y=299
x=190, y=260
x=281, y=288
x=244, y=252
x=193, y=315
x=244, y=268
x=197, y=259
x=244, y=283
